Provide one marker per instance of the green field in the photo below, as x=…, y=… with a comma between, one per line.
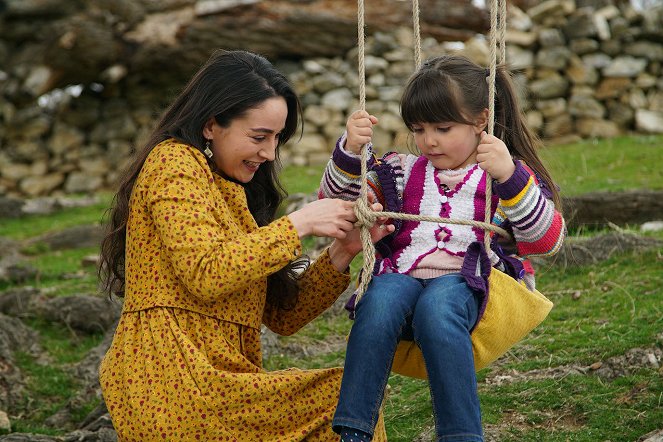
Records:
x=580, y=376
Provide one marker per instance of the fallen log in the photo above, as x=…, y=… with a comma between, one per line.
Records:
x=599, y=209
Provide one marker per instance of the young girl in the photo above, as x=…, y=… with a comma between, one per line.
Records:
x=420, y=289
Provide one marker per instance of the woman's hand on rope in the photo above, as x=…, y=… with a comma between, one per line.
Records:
x=360, y=130
x=343, y=250
x=379, y=229
x=494, y=157
x=329, y=217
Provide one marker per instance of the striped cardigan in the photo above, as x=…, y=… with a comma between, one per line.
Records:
x=410, y=184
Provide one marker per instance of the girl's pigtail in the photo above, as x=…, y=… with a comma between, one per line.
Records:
x=511, y=127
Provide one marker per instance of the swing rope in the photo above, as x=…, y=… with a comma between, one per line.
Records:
x=365, y=215
x=416, y=30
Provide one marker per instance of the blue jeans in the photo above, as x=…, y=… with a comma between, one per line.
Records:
x=438, y=314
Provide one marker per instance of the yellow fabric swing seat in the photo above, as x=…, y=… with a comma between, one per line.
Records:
x=512, y=311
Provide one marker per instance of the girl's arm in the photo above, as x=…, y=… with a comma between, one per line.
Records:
x=538, y=227
x=385, y=178
x=342, y=176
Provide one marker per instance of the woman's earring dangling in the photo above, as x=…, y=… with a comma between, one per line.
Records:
x=207, y=151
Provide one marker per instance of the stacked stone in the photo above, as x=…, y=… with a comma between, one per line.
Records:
x=589, y=73
x=582, y=72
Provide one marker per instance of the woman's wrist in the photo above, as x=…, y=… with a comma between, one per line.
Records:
x=300, y=225
x=339, y=257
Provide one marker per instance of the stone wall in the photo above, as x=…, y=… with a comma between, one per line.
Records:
x=582, y=72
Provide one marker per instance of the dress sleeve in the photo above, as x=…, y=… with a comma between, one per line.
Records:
x=209, y=257
x=320, y=286
x=538, y=228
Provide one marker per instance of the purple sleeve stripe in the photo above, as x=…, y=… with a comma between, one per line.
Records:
x=514, y=185
x=334, y=188
x=344, y=181
x=542, y=230
x=343, y=174
x=521, y=208
x=533, y=217
x=329, y=186
x=349, y=163
x=540, y=233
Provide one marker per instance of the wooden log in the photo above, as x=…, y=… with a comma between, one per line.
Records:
x=84, y=39
x=597, y=209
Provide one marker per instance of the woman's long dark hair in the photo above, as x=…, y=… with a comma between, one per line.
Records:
x=228, y=85
x=453, y=88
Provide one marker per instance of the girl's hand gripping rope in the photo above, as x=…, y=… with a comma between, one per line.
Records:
x=494, y=157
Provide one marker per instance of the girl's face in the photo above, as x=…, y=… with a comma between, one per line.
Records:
x=249, y=141
x=449, y=145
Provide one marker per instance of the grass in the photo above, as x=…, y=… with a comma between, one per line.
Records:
x=49, y=386
x=61, y=272
x=608, y=319
x=301, y=179
x=33, y=225
x=62, y=344
x=588, y=166
x=619, y=309
x=615, y=164
x=575, y=408
x=601, y=312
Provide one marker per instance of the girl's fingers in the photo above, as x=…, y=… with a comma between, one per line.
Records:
x=377, y=207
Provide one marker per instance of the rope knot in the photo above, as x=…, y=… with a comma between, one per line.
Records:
x=364, y=213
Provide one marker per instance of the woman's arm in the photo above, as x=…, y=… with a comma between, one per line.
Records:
x=320, y=286
x=324, y=281
x=211, y=256
x=201, y=233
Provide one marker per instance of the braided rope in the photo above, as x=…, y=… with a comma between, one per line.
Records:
x=502, y=27
x=366, y=217
x=417, y=34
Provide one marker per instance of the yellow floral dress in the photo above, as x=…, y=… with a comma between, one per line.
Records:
x=185, y=363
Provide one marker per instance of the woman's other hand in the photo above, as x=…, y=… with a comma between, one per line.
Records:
x=343, y=250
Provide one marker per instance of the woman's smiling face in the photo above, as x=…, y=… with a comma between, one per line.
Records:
x=248, y=141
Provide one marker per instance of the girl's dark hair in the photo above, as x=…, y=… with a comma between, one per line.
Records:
x=453, y=88
x=228, y=85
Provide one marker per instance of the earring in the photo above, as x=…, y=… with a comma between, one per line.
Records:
x=207, y=151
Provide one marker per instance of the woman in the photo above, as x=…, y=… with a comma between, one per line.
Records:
x=195, y=249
